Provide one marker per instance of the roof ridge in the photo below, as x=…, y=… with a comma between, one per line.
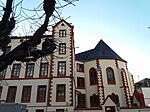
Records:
x=101, y=51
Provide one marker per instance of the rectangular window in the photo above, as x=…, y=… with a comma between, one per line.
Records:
x=3, y=73
x=1, y=88
x=81, y=100
x=44, y=70
x=60, y=93
x=11, y=95
x=61, y=68
x=62, y=33
x=94, y=100
x=26, y=94
x=62, y=48
x=60, y=110
x=41, y=93
x=16, y=70
x=80, y=82
x=80, y=67
x=29, y=69
x=40, y=110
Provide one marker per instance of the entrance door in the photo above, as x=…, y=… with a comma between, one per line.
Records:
x=110, y=109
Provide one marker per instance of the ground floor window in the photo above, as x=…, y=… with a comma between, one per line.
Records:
x=40, y=110
x=81, y=100
x=60, y=110
x=94, y=100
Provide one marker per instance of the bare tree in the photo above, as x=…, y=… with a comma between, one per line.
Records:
x=22, y=51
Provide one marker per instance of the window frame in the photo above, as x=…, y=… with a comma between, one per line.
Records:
x=39, y=110
x=81, y=100
x=59, y=110
x=80, y=67
x=110, y=81
x=94, y=101
x=93, y=76
x=62, y=33
x=30, y=67
x=24, y=94
x=9, y=92
x=16, y=69
x=62, y=48
x=3, y=74
x=61, y=68
x=80, y=82
x=38, y=93
x=44, y=69
x=63, y=92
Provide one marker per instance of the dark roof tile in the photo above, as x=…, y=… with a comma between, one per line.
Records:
x=101, y=51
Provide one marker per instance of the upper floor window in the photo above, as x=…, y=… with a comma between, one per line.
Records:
x=80, y=67
x=93, y=76
x=41, y=93
x=62, y=33
x=26, y=94
x=61, y=68
x=80, y=82
x=62, y=48
x=16, y=70
x=60, y=93
x=3, y=73
x=44, y=69
x=29, y=69
x=94, y=100
x=110, y=76
x=11, y=95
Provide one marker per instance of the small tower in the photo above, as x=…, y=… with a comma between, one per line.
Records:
x=62, y=65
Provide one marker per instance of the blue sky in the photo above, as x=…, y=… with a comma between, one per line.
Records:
x=122, y=24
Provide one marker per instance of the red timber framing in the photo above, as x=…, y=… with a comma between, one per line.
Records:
x=100, y=85
x=126, y=87
x=71, y=60
x=71, y=64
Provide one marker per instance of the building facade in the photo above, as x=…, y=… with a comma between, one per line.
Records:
x=143, y=87
x=95, y=80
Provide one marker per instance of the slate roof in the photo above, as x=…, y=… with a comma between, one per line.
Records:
x=101, y=51
x=143, y=83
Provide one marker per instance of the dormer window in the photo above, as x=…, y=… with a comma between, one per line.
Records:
x=29, y=69
x=62, y=33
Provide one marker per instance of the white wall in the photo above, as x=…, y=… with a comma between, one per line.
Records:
x=146, y=93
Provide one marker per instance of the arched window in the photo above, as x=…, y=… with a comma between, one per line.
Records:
x=110, y=76
x=93, y=76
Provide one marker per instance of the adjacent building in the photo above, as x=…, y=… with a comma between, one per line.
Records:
x=143, y=87
x=94, y=80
